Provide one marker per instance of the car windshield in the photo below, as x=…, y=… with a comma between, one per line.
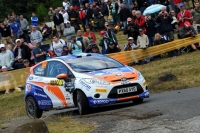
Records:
x=93, y=63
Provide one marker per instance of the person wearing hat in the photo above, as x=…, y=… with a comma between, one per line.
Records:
x=183, y=15
x=110, y=32
x=131, y=45
x=112, y=48
x=26, y=63
x=36, y=35
x=38, y=53
x=92, y=44
x=132, y=29
x=14, y=27
x=6, y=57
x=104, y=41
x=69, y=31
x=188, y=31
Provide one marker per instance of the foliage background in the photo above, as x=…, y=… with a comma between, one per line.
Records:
x=26, y=7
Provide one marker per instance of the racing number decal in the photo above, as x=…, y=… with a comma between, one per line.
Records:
x=56, y=82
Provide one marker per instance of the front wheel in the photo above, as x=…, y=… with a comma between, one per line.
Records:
x=138, y=100
x=32, y=109
x=82, y=103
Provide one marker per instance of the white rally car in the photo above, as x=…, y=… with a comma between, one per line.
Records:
x=84, y=80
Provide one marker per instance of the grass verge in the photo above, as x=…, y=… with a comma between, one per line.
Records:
x=68, y=125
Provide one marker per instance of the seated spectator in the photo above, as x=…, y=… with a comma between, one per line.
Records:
x=158, y=39
x=112, y=48
x=95, y=49
x=69, y=31
x=90, y=47
x=84, y=40
x=46, y=31
x=38, y=54
x=6, y=57
x=65, y=51
x=21, y=34
x=36, y=35
x=57, y=45
x=89, y=34
x=75, y=46
x=132, y=29
x=26, y=63
x=10, y=47
x=131, y=45
x=104, y=41
x=188, y=31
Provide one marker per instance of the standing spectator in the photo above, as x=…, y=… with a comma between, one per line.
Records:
x=133, y=16
x=73, y=15
x=111, y=33
x=59, y=22
x=65, y=17
x=69, y=31
x=104, y=41
x=140, y=21
x=89, y=34
x=6, y=34
x=57, y=45
x=87, y=18
x=183, y=15
x=131, y=45
x=51, y=14
x=82, y=16
x=114, y=10
x=150, y=28
x=84, y=40
x=188, y=31
x=166, y=28
x=196, y=17
x=36, y=35
x=34, y=20
x=112, y=48
x=6, y=57
x=105, y=10
x=66, y=4
x=14, y=26
x=188, y=4
x=23, y=23
x=175, y=21
x=38, y=54
x=132, y=29
x=124, y=14
x=75, y=46
x=16, y=17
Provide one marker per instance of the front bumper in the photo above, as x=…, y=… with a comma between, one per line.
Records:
x=99, y=102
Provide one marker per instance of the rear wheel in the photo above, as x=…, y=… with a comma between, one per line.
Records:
x=32, y=109
x=82, y=103
x=138, y=100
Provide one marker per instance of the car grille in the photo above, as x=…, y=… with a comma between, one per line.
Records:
x=113, y=92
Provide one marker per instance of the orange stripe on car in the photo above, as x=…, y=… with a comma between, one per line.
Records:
x=127, y=98
x=55, y=90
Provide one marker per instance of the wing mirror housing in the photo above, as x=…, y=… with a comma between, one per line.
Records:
x=61, y=76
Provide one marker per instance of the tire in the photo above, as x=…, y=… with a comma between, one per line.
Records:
x=138, y=100
x=82, y=103
x=32, y=109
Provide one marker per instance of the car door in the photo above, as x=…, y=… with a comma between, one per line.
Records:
x=56, y=88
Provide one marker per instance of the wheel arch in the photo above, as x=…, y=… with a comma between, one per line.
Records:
x=75, y=94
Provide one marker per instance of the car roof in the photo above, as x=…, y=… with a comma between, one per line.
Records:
x=69, y=57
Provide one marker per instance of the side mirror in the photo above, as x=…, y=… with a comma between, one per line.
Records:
x=61, y=76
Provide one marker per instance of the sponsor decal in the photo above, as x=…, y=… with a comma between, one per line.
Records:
x=40, y=95
x=44, y=102
x=124, y=81
x=85, y=85
x=118, y=74
x=102, y=101
x=28, y=87
x=30, y=78
x=101, y=90
x=56, y=82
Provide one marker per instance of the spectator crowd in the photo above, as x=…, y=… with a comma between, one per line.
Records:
x=22, y=41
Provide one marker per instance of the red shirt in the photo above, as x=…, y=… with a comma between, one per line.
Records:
x=184, y=14
x=90, y=35
x=177, y=1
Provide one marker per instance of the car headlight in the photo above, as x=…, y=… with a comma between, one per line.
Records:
x=140, y=76
x=96, y=81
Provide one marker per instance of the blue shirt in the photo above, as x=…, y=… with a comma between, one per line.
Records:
x=15, y=27
x=34, y=21
x=76, y=49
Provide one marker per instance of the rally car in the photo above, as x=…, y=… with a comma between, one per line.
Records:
x=83, y=81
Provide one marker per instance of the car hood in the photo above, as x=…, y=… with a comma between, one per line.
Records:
x=114, y=75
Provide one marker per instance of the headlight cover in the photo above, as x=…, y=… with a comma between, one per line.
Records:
x=140, y=76
x=96, y=81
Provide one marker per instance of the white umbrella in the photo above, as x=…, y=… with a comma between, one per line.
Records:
x=153, y=8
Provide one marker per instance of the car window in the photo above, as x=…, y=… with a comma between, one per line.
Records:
x=55, y=68
x=39, y=70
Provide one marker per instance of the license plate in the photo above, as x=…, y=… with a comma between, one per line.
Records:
x=127, y=90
